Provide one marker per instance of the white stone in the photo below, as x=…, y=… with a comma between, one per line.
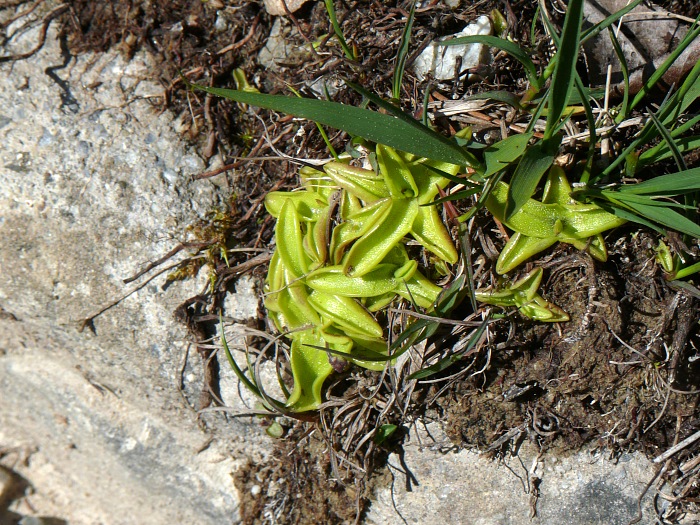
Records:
x=440, y=61
x=276, y=7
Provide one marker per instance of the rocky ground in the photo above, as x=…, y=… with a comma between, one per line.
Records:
x=112, y=417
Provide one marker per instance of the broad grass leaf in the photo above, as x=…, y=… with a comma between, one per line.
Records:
x=499, y=155
x=666, y=217
x=687, y=181
x=428, y=134
x=532, y=166
x=411, y=137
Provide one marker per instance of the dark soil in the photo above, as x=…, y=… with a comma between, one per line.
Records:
x=296, y=486
x=600, y=378
x=617, y=376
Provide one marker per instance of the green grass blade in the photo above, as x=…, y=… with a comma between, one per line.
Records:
x=576, y=98
x=603, y=24
x=532, y=166
x=454, y=178
x=234, y=366
x=666, y=217
x=533, y=25
x=503, y=153
x=662, y=151
x=688, y=270
x=322, y=131
x=401, y=134
x=421, y=329
x=565, y=70
x=403, y=54
x=663, y=68
x=428, y=133
x=589, y=33
x=668, y=140
x=688, y=93
x=465, y=246
x=330, y=8
x=451, y=296
x=425, y=120
x=686, y=126
x=687, y=181
x=506, y=46
x=593, y=139
x=646, y=200
x=625, y=109
x=448, y=361
x=619, y=211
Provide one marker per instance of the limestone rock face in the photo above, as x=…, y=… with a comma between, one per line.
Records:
x=94, y=184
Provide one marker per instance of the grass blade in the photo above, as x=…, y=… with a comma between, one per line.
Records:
x=665, y=217
x=666, y=136
x=593, y=139
x=658, y=74
x=631, y=198
x=662, y=151
x=234, y=366
x=429, y=134
x=565, y=69
x=625, y=109
x=465, y=247
x=399, y=133
x=402, y=55
x=687, y=181
x=532, y=166
x=457, y=196
x=448, y=361
x=330, y=9
x=619, y=211
x=501, y=154
x=506, y=46
x=603, y=24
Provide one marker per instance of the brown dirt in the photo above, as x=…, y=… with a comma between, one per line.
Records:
x=296, y=485
x=602, y=378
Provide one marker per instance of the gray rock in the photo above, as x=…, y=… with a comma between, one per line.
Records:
x=89, y=193
x=277, y=7
x=647, y=34
x=278, y=47
x=464, y=487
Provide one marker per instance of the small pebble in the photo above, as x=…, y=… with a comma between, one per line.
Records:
x=255, y=490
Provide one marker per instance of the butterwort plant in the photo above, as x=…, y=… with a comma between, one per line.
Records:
x=340, y=258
